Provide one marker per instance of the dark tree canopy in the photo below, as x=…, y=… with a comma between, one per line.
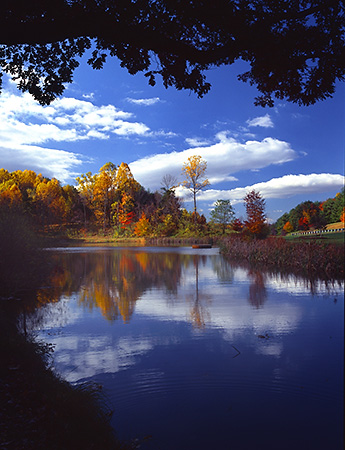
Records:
x=295, y=49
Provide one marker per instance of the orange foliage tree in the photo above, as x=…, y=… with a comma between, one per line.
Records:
x=288, y=227
x=142, y=227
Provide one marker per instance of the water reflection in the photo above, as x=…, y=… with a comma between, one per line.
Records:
x=257, y=288
x=179, y=338
x=199, y=313
x=114, y=280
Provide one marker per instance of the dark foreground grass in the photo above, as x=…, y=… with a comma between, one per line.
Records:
x=38, y=409
x=313, y=259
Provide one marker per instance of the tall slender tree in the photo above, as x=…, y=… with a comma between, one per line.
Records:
x=194, y=170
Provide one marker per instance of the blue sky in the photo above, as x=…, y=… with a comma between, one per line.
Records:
x=288, y=153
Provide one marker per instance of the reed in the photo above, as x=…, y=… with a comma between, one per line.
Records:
x=313, y=259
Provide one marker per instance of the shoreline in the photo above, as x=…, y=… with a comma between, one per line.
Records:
x=40, y=410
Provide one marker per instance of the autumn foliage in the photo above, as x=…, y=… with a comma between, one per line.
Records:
x=112, y=201
x=256, y=218
x=310, y=215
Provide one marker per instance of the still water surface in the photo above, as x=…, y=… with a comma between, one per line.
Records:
x=196, y=353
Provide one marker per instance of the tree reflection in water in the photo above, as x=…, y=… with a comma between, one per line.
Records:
x=257, y=288
x=200, y=365
x=199, y=314
x=114, y=279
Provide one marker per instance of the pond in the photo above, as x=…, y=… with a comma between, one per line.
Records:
x=193, y=352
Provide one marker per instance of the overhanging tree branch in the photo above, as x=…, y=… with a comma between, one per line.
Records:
x=295, y=49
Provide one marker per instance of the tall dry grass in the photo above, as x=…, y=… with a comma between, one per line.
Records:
x=312, y=259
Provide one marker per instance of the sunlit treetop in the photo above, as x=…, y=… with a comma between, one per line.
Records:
x=294, y=48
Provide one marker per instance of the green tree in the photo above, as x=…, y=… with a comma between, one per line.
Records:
x=223, y=213
x=294, y=49
x=280, y=223
x=339, y=203
x=194, y=172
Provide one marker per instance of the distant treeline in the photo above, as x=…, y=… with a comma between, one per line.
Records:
x=113, y=201
x=110, y=200
x=312, y=215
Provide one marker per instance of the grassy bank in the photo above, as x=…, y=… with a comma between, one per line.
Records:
x=331, y=238
x=312, y=259
x=38, y=409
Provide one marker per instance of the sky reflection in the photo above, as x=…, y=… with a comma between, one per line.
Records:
x=197, y=335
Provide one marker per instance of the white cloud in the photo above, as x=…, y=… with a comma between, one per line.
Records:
x=24, y=121
x=25, y=125
x=123, y=128
x=144, y=101
x=262, y=121
x=196, y=142
x=51, y=163
x=225, y=157
x=89, y=96
x=283, y=187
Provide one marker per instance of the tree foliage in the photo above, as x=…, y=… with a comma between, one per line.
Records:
x=294, y=49
x=312, y=215
x=223, y=213
x=194, y=171
x=113, y=201
x=142, y=227
x=256, y=216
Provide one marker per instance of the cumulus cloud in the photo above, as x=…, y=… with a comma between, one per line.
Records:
x=25, y=125
x=50, y=162
x=283, y=187
x=24, y=121
x=225, y=157
x=262, y=121
x=144, y=101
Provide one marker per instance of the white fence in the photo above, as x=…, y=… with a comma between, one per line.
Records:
x=304, y=233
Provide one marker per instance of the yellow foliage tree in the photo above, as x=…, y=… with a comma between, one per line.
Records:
x=103, y=191
x=10, y=194
x=85, y=188
x=51, y=201
x=194, y=171
x=124, y=180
